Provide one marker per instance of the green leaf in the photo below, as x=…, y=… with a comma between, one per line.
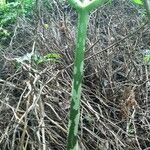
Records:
x=52, y=56
x=147, y=7
x=38, y=59
x=147, y=56
x=139, y=2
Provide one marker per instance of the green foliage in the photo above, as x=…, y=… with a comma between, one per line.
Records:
x=9, y=13
x=147, y=56
x=4, y=33
x=2, y=2
x=48, y=5
x=28, y=6
x=139, y=2
x=145, y=4
x=36, y=59
x=8, y=16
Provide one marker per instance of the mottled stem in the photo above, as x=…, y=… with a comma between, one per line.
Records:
x=77, y=80
x=83, y=7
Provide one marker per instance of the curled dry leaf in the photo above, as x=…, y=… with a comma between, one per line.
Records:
x=128, y=102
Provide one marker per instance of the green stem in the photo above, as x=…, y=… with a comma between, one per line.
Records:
x=83, y=18
x=147, y=7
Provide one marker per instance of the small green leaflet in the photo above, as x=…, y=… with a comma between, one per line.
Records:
x=138, y=2
x=147, y=56
x=47, y=57
x=37, y=58
x=52, y=56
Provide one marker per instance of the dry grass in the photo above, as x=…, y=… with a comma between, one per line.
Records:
x=34, y=100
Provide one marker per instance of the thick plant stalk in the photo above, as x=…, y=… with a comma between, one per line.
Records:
x=83, y=8
x=147, y=6
x=77, y=80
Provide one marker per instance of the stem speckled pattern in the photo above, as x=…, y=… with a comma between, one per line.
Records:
x=77, y=79
x=83, y=8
